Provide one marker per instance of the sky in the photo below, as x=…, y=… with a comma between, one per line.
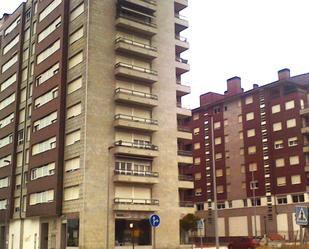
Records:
x=252, y=39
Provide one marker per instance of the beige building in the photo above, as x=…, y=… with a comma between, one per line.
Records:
x=93, y=137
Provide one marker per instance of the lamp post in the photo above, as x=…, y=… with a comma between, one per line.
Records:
x=132, y=234
x=7, y=216
x=214, y=182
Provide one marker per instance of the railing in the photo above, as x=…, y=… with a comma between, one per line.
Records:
x=132, y=201
x=136, y=145
x=181, y=17
x=136, y=173
x=181, y=106
x=183, y=128
x=136, y=93
x=186, y=204
x=187, y=178
x=136, y=119
x=181, y=38
x=134, y=43
x=179, y=59
x=140, y=69
x=150, y=1
x=185, y=153
x=135, y=19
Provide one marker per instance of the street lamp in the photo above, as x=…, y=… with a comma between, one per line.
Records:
x=132, y=234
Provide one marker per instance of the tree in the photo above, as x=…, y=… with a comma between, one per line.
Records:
x=189, y=222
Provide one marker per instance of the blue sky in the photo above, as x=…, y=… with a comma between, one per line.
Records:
x=252, y=39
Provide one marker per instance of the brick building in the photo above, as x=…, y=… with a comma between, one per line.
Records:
x=261, y=156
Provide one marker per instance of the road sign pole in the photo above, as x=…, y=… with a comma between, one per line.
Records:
x=154, y=237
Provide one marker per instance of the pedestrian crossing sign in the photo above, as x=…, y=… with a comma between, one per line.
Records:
x=301, y=216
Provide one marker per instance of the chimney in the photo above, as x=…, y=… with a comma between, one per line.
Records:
x=284, y=74
x=233, y=86
x=255, y=86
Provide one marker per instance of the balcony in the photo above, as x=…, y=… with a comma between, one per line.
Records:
x=135, y=149
x=305, y=130
x=180, y=5
x=184, y=133
x=135, y=73
x=185, y=182
x=146, y=4
x=187, y=206
x=306, y=148
x=182, y=66
x=305, y=112
x=182, y=90
x=143, y=26
x=181, y=23
x=135, y=48
x=181, y=43
x=185, y=157
x=183, y=112
x=131, y=204
x=136, y=176
x=136, y=123
x=123, y=95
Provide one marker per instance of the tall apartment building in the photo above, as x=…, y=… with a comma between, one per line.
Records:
x=90, y=114
x=261, y=156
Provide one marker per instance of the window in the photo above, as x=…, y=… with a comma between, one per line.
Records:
x=249, y=116
x=10, y=45
x=245, y=202
x=71, y=193
x=74, y=111
x=289, y=105
x=294, y=160
x=249, y=100
x=6, y=66
x=74, y=85
x=278, y=144
x=277, y=126
x=251, y=150
x=226, y=138
x=226, y=122
x=53, y=5
x=49, y=73
x=7, y=120
x=45, y=170
x=5, y=161
x=254, y=185
x=78, y=34
x=72, y=138
x=239, y=118
x=302, y=104
x=51, y=28
x=19, y=159
x=199, y=206
x=243, y=185
x=45, y=98
x=282, y=200
x=281, y=181
x=218, y=140
x=221, y=205
x=6, y=140
x=196, y=116
x=20, y=137
x=10, y=81
x=72, y=233
x=219, y=172
x=298, y=198
x=4, y=182
x=291, y=123
x=241, y=135
x=220, y=189
x=77, y=12
x=292, y=141
x=3, y=204
x=42, y=197
x=256, y=202
x=218, y=156
x=197, y=176
x=228, y=171
x=197, y=146
x=251, y=133
x=217, y=125
x=279, y=162
x=44, y=122
x=198, y=192
x=241, y=151
x=46, y=145
x=48, y=52
x=242, y=169
x=295, y=179
x=75, y=60
x=72, y=164
x=10, y=28
x=252, y=167
x=196, y=131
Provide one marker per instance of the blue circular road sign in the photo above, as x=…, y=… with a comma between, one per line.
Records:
x=154, y=220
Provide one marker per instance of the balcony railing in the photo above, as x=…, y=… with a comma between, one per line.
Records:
x=144, y=146
x=187, y=178
x=179, y=59
x=140, y=69
x=181, y=38
x=136, y=119
x=136, y=173
x=136, y=93
x=150, y=1
x=134, y=43
x=136, y=19
x=184, y=129
x=185, y=153
x=186, y=204
x=131, y=201
x=181, y=17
